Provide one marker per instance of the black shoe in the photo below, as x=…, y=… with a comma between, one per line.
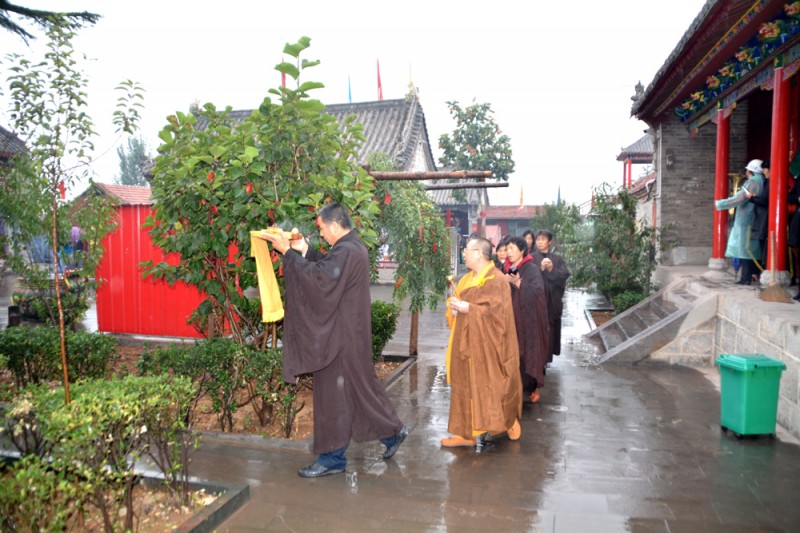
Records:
x=317, y=470
x=796, y=297
x=401, y=436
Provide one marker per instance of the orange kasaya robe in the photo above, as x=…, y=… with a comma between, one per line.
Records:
x=483, y=357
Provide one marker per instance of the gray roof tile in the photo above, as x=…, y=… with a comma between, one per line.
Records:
x=10, y=143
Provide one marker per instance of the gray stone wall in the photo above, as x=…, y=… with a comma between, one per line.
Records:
x=688, y=167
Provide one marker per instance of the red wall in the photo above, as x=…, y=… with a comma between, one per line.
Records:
x=128, y=303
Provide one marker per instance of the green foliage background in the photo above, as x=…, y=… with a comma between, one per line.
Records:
x=618, y=254
x=215, y=183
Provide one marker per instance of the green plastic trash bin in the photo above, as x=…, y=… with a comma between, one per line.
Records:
x=749, y=393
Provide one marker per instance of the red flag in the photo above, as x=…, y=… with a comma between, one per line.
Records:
x=380, y=88
x=283, y=76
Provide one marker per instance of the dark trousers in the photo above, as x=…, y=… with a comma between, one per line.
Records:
x=336, y=458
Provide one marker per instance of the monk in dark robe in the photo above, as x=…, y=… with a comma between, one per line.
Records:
x=530, y=315
x=555, y=274
x=482, y=355
x=327, y=332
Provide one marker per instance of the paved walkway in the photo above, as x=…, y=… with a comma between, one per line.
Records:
x=611, y=449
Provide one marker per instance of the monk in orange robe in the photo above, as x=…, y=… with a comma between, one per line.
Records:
x=483, y=353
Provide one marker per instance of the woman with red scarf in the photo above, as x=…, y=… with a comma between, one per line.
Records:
x=530, y=316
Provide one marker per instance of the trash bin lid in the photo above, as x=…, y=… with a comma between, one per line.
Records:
x=748, y=362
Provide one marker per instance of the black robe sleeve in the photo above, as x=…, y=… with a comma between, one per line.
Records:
x=314, y=291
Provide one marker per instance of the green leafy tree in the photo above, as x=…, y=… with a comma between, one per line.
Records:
x=212, y=185
x=562, y=219
x=48, y=102
x=477, y=143
x=620, y=254
x=45, y=19
x=415, y=231
x=131, y=163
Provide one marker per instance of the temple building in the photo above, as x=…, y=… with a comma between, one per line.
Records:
x=726, y=94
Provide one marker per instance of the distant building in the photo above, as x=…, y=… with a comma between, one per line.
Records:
x=642, y=187
x=509, y=220
x=128, y=303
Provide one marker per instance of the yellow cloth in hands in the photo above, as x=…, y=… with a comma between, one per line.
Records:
x=271, y=304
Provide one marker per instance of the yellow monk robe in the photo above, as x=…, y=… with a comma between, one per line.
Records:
x=483, y=357
x=468, y=280
x=271, y=304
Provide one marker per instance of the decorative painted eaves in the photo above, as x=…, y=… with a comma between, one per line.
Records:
x=772, y=37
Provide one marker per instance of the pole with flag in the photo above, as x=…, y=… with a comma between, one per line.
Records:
x=521, y=204
x=349, y=91
x=380, y=88
x=283, y=76
x=558, y=198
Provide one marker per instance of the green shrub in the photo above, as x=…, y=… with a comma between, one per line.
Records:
x=36, y=498
x=34, y=354
x=626, y=300
x=21, y=426
x=232, y=376
x=619, y=253
x=74, y=303
x=89, y=354
x=108, y=426
x=37, y=299
x=384, y=324
x=263, y=375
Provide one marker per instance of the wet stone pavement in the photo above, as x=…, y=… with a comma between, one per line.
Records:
x=608, y=449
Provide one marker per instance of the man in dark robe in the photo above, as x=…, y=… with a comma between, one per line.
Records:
x=482, y=356
x=327, y=332
x=555, y=274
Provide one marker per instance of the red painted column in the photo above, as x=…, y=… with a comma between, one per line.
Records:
x=779, y=170
x=720, y=239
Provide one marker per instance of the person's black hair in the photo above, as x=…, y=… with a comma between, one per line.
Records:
x=765, y=164
x=520, y=243
x=526, y=233
x=503, y=242
x=335, y=212
x=544, y=232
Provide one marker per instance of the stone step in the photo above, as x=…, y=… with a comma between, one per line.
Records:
x=649, y=315
x=679, y=297
x=612, y=336
x=632, y=324
x=661, y=307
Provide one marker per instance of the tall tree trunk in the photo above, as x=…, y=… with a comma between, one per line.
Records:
x=412, y=345
x=56, y=284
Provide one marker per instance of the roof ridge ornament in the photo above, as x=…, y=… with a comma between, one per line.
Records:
x=639, y=91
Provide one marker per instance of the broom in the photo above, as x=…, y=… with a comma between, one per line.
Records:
x=773, y=293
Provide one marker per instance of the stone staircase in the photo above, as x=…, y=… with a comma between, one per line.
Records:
x=642, y=330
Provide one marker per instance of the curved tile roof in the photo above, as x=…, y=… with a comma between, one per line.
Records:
x=10, y=143
x=641, y=152
x=395, y=127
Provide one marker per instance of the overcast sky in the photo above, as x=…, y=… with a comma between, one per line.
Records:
x=558, y=75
